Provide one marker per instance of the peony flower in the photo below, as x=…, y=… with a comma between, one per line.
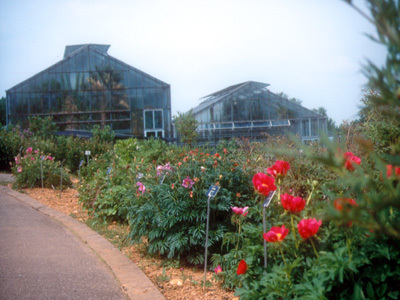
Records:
x=50, y=158
x=187, y=182
x=280, y=168
x=19, y=169
x=292, y=204
x=141, y=188
x=350, y=160
x=242, y=267
x=16, y=160
x=32, y=158
x=240, y=210
x=264, y=183
x=340, y=202
x=29, y=150
x=308, y=227
x=218, y=269
x=389, y=171
x=276, y=234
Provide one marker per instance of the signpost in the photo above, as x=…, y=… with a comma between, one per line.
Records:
x=41, y=168
x=80, y=165
x=61, y=173
x=266, y=203
x=212, y=192
x=87, y=153
x=108, y=174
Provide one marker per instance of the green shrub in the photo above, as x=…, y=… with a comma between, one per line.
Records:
x=28, y=170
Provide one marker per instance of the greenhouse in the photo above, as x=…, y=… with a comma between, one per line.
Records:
x=251, y=111
x=89, y=87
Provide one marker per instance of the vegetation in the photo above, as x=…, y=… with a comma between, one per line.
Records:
x=186, y=126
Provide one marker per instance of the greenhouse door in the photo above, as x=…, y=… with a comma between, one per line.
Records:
x=153, y=123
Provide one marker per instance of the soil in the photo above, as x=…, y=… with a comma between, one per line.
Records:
x=174, y=283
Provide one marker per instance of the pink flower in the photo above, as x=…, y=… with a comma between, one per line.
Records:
x=292, y=204
x=32, y=158
x=36, y=151
x=308, y=227
x=350, y=160
x=141, y=188
x=276, y=234
x=218, y=269
x=29, y=150
x=50, y=158
x=280, y=168
x=240, y=210
x=16, y=160
x=19, y=169
x=187, y=182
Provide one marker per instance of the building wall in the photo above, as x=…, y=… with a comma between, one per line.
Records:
x=252, y=111
x=90, y=87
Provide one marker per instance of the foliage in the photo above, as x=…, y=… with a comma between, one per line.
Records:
x=30, y=167
x=186, y=126
x=375, y=126
x=12, y=139
x=3, y=111
x=42, y=127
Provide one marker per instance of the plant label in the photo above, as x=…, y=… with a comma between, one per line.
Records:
x=162, y=178
x=87, y=152
x=212, y=191
x=139, y=176
x=109, y=170
x=81, y=163
x=268, y=199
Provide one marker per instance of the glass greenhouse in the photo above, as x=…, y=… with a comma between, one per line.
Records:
x=251, y=111
x=90, y=87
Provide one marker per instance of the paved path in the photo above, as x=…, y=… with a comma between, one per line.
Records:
x=45, y=254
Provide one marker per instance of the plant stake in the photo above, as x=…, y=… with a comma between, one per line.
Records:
x=212, y=192
x=267, y=201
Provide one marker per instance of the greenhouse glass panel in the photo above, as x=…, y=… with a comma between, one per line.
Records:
x=158, y=118
x=148, y=119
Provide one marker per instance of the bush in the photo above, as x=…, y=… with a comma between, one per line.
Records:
x=28, y=170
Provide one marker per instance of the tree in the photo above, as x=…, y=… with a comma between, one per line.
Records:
x=331, y=126
x=186, y=126
x=105, y=80
x=3, y=111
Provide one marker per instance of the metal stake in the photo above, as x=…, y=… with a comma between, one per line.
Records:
x=265, y=205
x=206, y=246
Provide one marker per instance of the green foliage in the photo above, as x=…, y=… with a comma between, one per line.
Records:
x=28, y=170
x=186, y=126
x=42, y=127
x=12, y=140
x=2, y=111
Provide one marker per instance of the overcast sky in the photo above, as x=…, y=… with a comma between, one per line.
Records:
x=309, y=49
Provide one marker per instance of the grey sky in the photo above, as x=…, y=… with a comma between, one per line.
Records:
x=309, y=49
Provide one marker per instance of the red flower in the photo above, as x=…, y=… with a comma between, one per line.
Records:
x=292, y=204
x=264, y=183
x=276, y=234
x=280, y=168
x=350, y=160
x=242, y=268
x=389, y=171
x=216, y=155
x=340, y=202
x=308, y=227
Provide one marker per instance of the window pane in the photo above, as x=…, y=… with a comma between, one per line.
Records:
x=158, y=119
x=148, y=119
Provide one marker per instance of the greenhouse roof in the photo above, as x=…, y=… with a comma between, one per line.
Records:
x=256, y=88
x=72, y=48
